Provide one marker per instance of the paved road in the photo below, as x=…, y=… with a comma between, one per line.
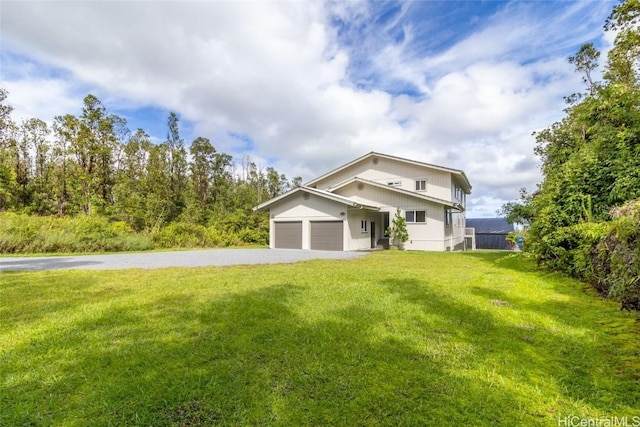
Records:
x=200, y=258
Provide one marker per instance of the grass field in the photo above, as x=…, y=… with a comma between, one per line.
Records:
x=393, y=338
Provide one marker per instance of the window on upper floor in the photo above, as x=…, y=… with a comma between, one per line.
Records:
x=415, y=216
x=395, y=183
x=421, y=185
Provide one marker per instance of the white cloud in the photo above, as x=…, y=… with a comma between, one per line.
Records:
x=40, y=97
x=275, y=72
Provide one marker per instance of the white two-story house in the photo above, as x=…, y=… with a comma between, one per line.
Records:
x=350, y=207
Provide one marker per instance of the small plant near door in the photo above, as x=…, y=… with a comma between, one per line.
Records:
x=398, y=230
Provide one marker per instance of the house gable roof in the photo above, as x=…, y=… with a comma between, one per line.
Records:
x=395, y=190
x=460, y=174
x=321, y=193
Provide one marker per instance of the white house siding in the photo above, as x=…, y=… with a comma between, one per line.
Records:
x=357, y=239
x=458, y=231
x=381, y=197
x=427, y=236
x=454, y=235
x=315, y=208
x=438, y=181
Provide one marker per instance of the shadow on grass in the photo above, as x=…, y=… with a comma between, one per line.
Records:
x=545, y=349
x=250, y=358
x=519, y=263
x=244, y=359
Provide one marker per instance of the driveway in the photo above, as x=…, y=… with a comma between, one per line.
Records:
x=199, y=258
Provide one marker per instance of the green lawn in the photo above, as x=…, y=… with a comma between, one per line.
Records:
x=393, y=338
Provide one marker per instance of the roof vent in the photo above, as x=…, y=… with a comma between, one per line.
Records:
x=375, y=160
x=306, y=196
x=360, y=186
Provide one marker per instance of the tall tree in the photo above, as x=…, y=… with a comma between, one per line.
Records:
x=624, y=57
x=591, y=158
x=156, y=187
x=177, y=157
x=130, y=187
x=90, y=164
x=95, y=150
x=276, y=183
x=221, y=181
x=65, y=129
x=5, y=113
x=36, y=132
x=586, y=61
x=202, y=157
x=23, y=166
x=8, y=143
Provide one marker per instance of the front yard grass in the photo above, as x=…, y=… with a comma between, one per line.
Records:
x=393, y=338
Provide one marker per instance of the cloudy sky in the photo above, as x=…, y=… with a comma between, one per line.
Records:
x=306, y=86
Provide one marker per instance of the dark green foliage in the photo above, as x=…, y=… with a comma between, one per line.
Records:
x=606, y=254
x=591, y=164
x=92, y=166
x=615, y=258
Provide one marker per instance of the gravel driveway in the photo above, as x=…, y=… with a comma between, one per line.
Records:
x=200, y=258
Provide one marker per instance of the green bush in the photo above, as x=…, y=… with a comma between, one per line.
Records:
x=616, y=257
x=188, y=235
x=181, y=235
x=21, y=233
x=213, y=237
x=606, y=254
x=252, y=235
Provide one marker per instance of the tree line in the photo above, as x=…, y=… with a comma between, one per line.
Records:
x=585, y=215
x=93, y=165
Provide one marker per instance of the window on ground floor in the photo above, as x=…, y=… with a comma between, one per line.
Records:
x=448, y=217
x=415, y=216
x=363, y=226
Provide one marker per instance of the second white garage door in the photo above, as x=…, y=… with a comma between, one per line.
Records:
x=327, y=235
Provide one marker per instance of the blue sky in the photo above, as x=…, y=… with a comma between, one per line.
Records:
x=308, y=86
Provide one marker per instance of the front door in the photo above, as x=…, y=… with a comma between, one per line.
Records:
x=373, y=234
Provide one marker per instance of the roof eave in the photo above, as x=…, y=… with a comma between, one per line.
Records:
x=335, y=197
x=338, y=169
x=401, y=159
x=394, y=189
